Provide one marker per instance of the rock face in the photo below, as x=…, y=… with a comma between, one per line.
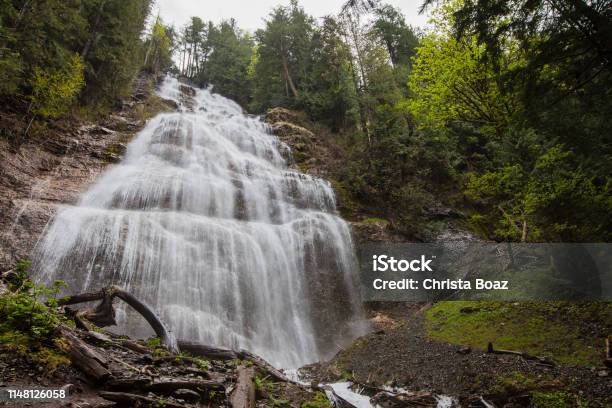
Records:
x=42, y=174
x=312, y=153
x=374, y=231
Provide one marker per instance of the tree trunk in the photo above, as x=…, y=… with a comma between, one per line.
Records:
x=225, y=354
x=243, y=395
x=86, y=359
x=104, y=314
x=288, y=78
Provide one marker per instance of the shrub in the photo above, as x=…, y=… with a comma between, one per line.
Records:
x=27, y=325
x=54, y=91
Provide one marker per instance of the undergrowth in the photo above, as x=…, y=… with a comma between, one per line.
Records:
x=27, y=325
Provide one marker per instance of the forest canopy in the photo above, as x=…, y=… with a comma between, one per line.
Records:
x=498, y=108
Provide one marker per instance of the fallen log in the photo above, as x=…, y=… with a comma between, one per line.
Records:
x=83, y=357
x=127, y=384
x=215, y=353
x=167, y=387
x=135, y=400
x=526, y=356
x=132, y=345
x=264, y=366
x=202, y=350
x=104, y=313
x=243, y=395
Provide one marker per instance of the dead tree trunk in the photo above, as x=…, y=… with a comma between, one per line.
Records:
x=104, y=314
x=216, y=353
x=83, y=357
x=243, y=395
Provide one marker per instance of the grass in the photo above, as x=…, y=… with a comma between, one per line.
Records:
x=562, y=331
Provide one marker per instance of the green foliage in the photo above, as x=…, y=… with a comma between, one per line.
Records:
x=319, y=401
x=28, y=326
x=153, y=342
x=54, y=91
x=329, y=93
x=285, y=51
x=450, y=83
x=264, y=384
x=536, y=164
x=159, y=47
x=548, y=198
x=400, y=40
x=227, y=65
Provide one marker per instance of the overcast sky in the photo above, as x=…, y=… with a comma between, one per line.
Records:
x=250, y=14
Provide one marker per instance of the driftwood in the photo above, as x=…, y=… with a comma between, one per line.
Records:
x=104, y=314
x=202, y=350
x=526, y=356
x=127, y=384
x=132, y=345
x=169, y=386
x=216, y=353
x=135, y=400
x=243, y=395
x=83, y=357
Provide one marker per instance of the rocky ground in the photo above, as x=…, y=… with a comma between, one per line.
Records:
x=142, y=375
x=399, y=353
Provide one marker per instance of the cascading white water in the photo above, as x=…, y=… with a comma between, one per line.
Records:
x=204, y=220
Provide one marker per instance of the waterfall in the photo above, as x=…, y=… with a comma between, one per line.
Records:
x=205, y=221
